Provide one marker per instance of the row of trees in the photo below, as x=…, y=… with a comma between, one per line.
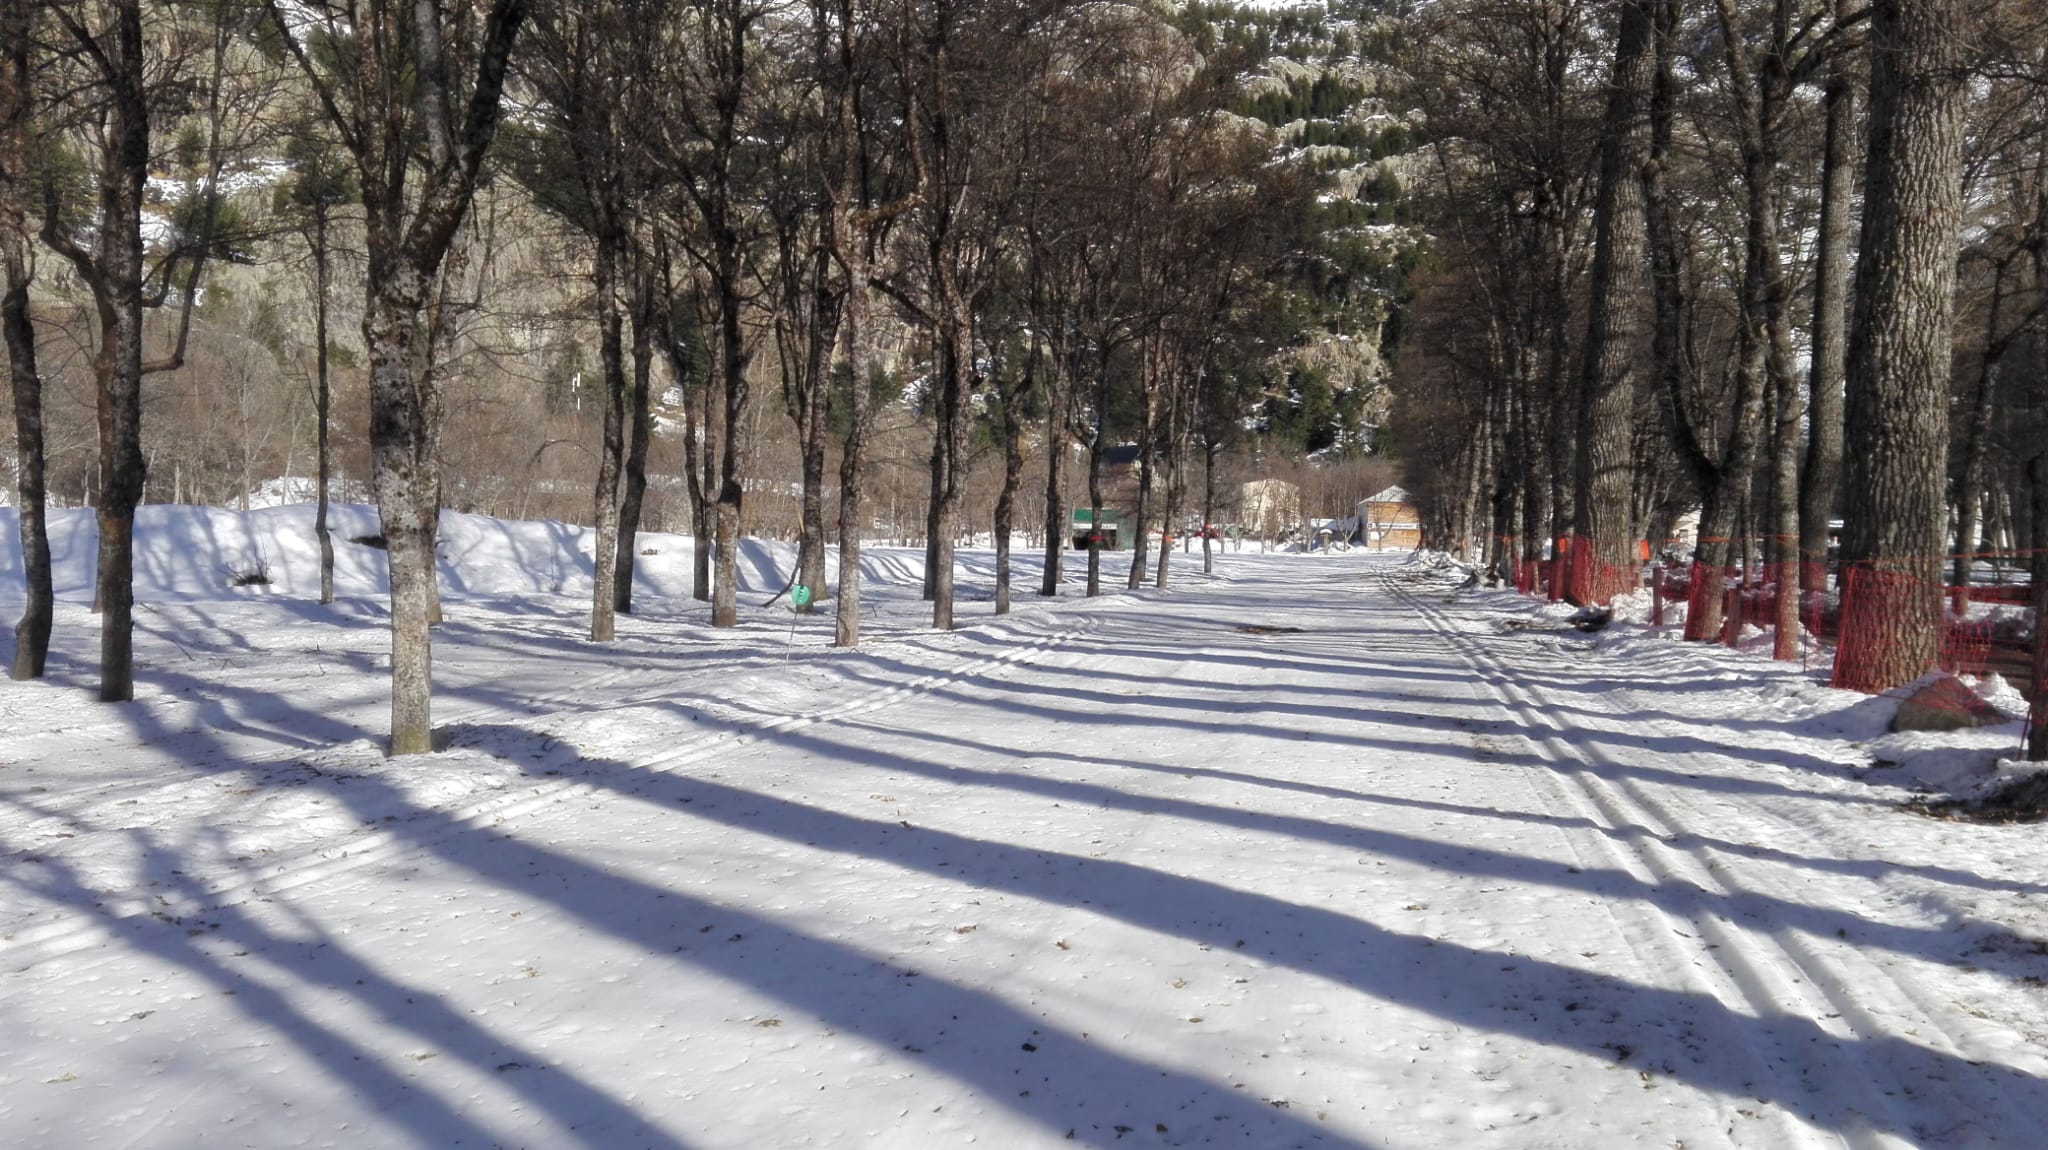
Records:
x=1045, y=222
x=1767, y=258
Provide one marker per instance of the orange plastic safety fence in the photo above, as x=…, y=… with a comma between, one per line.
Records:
x=1877, y=647
x=1849, y=604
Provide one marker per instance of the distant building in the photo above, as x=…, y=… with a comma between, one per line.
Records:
x=1389, y=519
x=1119, y=503
x=1111, y=532
x=1267, y=507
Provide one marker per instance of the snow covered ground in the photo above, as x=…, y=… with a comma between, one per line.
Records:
x=1318, y=852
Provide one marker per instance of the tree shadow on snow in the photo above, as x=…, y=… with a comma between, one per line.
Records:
x=270, y=973
x=1848, y=1084
x=1013, y=1058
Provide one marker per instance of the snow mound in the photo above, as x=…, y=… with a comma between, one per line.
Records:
x=187, y=553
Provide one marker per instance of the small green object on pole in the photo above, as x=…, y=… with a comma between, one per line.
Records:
x=799, y=595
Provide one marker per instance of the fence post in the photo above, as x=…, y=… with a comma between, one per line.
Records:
x=2037, y=714
x=1731, y=612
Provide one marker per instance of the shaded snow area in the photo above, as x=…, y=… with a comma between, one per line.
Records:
x=1320, y=851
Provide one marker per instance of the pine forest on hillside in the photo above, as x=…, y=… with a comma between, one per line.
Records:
x=1758, y=286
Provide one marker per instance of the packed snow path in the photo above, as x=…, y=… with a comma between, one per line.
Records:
x=1313, y=854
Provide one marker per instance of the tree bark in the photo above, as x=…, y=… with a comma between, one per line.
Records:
x=725, y=610
x=1820, y=477
x=1096, y=447
x=1141, y=514
x=644, y=318
x=1011, y=393
x=2037, y=727
x=1976, y=437
x=1786, y=628
x=1607, y=396
x=700, y=437
x=1759, y=82
x=956, y=351
x=17, y=326
x=408, y=237
x=937, y=465
x=1176, y=479
x=397, y=432
x=18, y=331
x=1141, y=525
x=112, y=272
x=853, y=456
x=1208, y=506
x=323, y=403
x=1057, y=526
x=118, y=365
x=1896, y=418
x=820, y=336
x=612, y=449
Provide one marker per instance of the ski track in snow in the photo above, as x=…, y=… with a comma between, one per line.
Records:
x=736, y=729
x=1104, y=872
x=1752, y=964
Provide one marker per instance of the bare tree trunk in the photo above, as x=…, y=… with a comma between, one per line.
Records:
x=407, y=240
x=1208, y=506
x=725, y=610
x=1535, y=478
x=1560, y=448
x=1757, y=81
x=323, y=402
x=118, y=367
x=1096, y=447
x=17, y=326
x=644, y=319
x=1057, y=527
x=18, y=331
x=2034, y=517
x=1141, y=520
x=934, y=521
x=2037, y=728
x=112, y=271
x=1503, y=507
x=1010, y=394
x=1784, y=511
x=1607, y=395
x=821, y=334
x=700, y=453
x=1176, y=475
x=700, y=437
x=1821, y=477
x=1977, y=431
x=397, y=426
x=1897, y=412
x=956, y=353
x=612, y=450
x=853, y=457
x=442, y=319
x=1006, y=500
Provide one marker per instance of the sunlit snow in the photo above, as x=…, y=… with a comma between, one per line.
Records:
x=1320, y=851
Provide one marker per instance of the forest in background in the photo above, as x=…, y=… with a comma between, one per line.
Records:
x=1573, y=270
x=722, y=266
x=1776, y=264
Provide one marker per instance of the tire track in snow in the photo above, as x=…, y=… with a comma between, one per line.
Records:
x=1863, y=973
x=1748, y=970
x=23, y=949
